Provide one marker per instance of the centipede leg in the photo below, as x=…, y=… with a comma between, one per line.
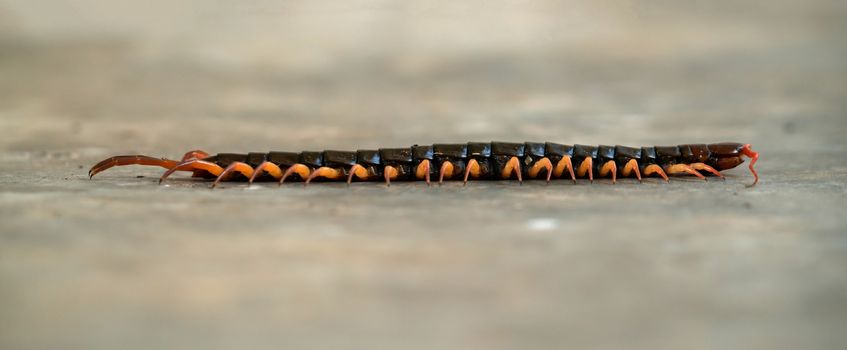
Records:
x=543, y=163
x=195, y=154
x=143, y=160
x=265, y=167
x=656, y=169
x=586, y=167
x=359, y=171
x=326, y=172
x=422, y=171
x=608, y=167
x=390, y=173
x=472, y=169
x=446, y=170
x=193, y=165
x=702, y=166
x=130, y=160
x=239, y=167
x=298, y=168
x=565, y=163
x=631, y=165
x=683, y=168
x=513, y=165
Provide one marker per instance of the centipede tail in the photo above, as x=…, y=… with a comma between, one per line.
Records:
x=448, y=162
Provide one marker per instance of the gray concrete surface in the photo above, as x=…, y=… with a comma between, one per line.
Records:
x=119, y=262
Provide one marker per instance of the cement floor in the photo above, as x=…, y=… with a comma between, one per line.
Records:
x=120, y=262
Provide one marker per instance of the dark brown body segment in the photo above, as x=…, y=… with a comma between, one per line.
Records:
x=455, y=154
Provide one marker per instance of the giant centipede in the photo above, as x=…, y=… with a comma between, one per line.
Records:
x=468, y=161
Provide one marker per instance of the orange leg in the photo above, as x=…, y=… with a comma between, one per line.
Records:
x=473, y=169
x=631, y=166
x=587, y=166
x=143, y=160
x=543, y=163
x=325, y=172
x=754, y=156
x=130, y=160
x=390, y=174
x=298, y=168
x=239, y=167
x=446, y=170
x=563, y=164
x=655, y=169
x=359, y=171
x=196, y=154
x=682, y=169
x=266, y=167
x=422, y=171
x=513, y=165
x=608, y=167
x=701, y=166
x=193, y=165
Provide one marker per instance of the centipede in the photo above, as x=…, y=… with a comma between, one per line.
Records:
x=456, y=162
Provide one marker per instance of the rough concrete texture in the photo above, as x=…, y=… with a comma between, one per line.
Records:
x=119, y=262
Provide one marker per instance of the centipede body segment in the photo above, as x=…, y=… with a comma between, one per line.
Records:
x=453, y=162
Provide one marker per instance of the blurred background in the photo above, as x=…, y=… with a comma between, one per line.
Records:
x=166, y=76
x=121, y=262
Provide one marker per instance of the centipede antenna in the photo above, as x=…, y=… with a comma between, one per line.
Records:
x=754, y=156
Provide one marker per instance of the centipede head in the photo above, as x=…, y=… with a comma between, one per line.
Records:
x=728, y=155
